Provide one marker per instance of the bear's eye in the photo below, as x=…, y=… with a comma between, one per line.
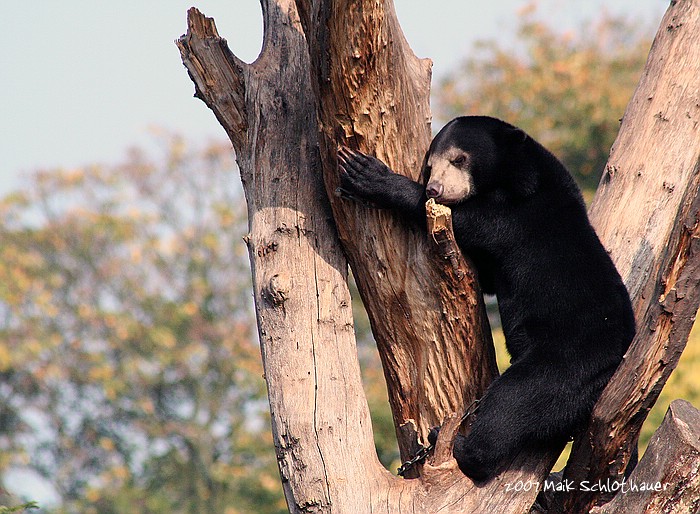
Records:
x=458, y=161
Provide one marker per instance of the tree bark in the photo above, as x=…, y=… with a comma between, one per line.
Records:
x=667, y=478
x=373, y=94
x=320, y=418
x=353, y=80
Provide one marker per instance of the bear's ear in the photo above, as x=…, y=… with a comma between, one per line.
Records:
x=514, y=135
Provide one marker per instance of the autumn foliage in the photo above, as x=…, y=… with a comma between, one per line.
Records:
x=129, y=356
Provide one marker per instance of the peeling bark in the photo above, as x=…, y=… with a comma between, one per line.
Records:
x=373, y=95
x=439, y=221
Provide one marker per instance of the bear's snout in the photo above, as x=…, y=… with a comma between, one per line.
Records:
x=434, y=190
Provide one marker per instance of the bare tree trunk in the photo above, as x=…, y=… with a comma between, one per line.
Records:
x=320, y=418
x=362, y=86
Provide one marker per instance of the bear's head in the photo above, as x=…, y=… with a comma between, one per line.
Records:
x=476, y=155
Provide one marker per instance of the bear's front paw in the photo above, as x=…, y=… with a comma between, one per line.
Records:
x=362, y=177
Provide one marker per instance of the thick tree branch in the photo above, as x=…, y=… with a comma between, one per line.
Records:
x=646, y=212
x=201, y=46
x=373, y=95
x=667, y=478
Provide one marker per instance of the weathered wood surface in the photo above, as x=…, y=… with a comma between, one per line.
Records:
x=373, y=95
x=320, y=417
x=440, y=230
x=667, y=478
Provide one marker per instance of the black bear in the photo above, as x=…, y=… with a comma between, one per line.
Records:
x=566, y=315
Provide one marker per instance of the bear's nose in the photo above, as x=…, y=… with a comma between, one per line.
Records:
x=434, y=190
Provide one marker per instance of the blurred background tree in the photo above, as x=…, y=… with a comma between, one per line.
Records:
x=130, y=374
x=567, y=90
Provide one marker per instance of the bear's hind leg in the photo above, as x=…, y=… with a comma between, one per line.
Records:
x=531, y=403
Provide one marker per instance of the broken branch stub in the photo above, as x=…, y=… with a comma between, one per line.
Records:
x=439, y=219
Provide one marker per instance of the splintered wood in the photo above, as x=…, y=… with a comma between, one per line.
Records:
x=439, y=219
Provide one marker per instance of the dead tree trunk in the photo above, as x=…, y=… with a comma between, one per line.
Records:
x=320, y=418
x=353, y=79
x=373, y=94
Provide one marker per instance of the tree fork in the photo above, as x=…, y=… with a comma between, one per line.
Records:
x=355, y=78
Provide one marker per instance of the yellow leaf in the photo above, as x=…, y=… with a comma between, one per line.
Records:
x=5, y=358
x=107, y=444
x=190, y=308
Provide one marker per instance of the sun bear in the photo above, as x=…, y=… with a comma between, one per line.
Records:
x=565, y=312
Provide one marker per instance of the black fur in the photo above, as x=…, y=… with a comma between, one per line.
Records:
x=566, y=315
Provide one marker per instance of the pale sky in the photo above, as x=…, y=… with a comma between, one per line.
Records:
x=82, y=80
